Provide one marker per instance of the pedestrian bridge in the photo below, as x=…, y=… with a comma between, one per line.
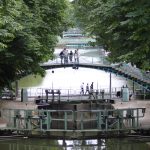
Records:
x=124, y=70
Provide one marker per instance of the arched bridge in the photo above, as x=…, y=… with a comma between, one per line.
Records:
x=124, y=70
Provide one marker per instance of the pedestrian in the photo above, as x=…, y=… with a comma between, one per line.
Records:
x=65, y=56
x=102, y=92
x=91, y=86
x=76, y=56
x=70, y=56
x=82, y=88
x=61, y=55
x=91, y=92
x=87, y=89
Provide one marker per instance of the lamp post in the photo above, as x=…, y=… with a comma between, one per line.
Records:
x=52, y=78
x=110, y=86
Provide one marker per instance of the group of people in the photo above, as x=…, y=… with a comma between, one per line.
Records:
x=88, y=89
x=67, y=57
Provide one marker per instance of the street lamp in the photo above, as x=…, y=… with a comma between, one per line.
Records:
x=52, y=79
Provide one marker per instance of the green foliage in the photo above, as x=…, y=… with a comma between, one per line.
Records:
x=28, y=35
x=121, y=26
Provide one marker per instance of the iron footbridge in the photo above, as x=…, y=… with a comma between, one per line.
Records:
x=124, y=70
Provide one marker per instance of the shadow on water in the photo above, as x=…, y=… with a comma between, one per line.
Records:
x=97, y=144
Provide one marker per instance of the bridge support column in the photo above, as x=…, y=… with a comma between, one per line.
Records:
x=65, y=120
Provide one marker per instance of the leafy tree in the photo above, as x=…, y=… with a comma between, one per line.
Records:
x=121, y=26
x=28, y=35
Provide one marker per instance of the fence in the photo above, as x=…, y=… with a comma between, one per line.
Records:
x=71, y=94
x=66, y=120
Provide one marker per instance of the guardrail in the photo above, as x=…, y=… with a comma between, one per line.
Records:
x=68, y=120
x=82, y=59
x=134, y=71
x=70, y=94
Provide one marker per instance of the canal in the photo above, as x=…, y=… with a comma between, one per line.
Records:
x=68, y=78
x=97, y=144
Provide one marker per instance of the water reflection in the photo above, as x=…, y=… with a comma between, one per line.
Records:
x=98, y=144
x=83, y=144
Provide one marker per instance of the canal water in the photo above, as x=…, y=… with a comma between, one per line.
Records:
x=68, y=78
x=97, y=144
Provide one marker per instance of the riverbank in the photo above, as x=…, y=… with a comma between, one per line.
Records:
x=11, y=104
x=145, y=121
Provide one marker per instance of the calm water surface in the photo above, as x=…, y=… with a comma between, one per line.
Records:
x=47, y=144
x=68, y=78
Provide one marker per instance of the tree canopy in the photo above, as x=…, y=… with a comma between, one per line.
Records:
x=121, y=26
x=28, y=35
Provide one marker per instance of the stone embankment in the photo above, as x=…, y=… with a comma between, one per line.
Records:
x=9, y=104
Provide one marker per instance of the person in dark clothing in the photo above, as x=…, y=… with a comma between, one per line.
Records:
x=91, y=92
x=61, y=56
x=70, y=56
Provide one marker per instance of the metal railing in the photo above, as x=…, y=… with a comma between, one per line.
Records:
x=82, y=59
x=71, y=94
x=134, y=71
x=126, y=68
x=67, y=120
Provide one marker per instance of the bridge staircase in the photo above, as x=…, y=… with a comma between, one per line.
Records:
x=134, y=74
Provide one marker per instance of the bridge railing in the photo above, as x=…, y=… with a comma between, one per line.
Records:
x=134, y=71
x=66, y=120
x=82, y=59
x=71, y=94
x=126, y=68
x=34, y=94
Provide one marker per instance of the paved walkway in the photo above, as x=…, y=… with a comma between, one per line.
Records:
x=9, y=104
x=145, y=121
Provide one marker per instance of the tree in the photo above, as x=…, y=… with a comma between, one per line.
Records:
x=28, y=35
x=121, y=26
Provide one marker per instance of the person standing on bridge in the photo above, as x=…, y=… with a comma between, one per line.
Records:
x=82, y=89
x=87, y=89
x=70, y=56
x=65, y=56
x=76, y=56
x=91, y=92
x=61, y=55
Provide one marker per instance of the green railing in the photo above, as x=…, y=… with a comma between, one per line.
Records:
x=68, y=120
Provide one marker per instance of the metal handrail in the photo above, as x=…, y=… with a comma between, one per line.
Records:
x=47, y=120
